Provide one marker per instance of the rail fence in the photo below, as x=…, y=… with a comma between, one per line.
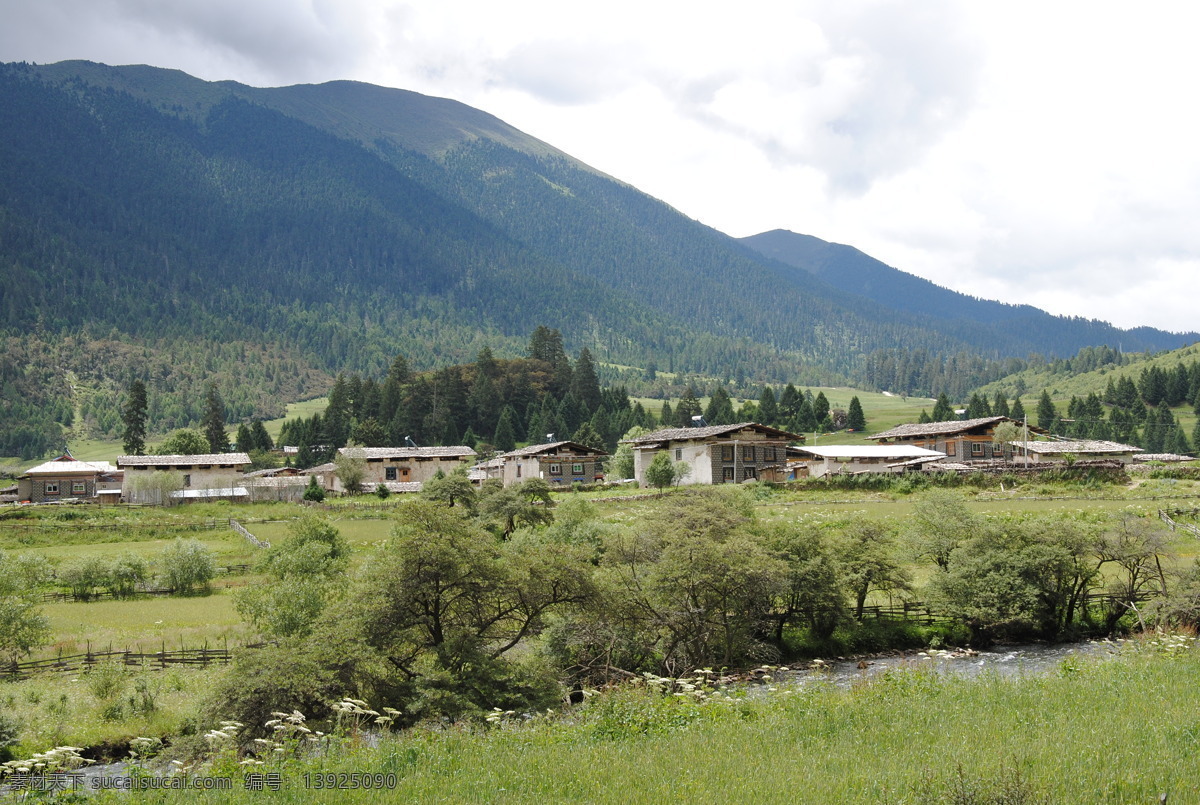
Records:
x=152, y=660
x=1168, y=516
x=255, y=541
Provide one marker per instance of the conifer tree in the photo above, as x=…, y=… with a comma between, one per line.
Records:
x=134, y=438
x=855, y=418
x=768, y=408
x=942, y=411
x=820, y=407
x=214, y=420
x=584, y=383
x=1018, y=410
x=505, y=437
x=1046, y=412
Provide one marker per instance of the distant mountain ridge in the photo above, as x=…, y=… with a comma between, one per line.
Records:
x=330, y=227
x=848, y=269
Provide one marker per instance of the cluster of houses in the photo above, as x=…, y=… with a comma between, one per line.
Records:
x=717, y=454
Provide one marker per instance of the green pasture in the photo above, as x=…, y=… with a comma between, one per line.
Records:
x=1119, y=730
x=145, y=624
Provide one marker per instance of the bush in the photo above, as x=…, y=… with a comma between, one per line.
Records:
x=313, y=492
x=382, y=492
x=188, y=566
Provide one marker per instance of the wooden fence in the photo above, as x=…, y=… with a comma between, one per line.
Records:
x=1168, y=517
x=98, y=595
x=255, y=541
x=154, y=660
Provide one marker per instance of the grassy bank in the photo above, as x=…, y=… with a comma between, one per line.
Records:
x=1123, y=730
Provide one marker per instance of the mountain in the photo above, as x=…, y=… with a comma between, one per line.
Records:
x=158, y=226
x=986, y=325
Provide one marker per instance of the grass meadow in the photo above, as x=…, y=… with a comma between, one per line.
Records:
x=1121, y=730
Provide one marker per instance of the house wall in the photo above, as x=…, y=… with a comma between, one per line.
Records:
x=543, y=467
x=713, y=462
x=410, y=470
x=43, y=489
x=196, y=476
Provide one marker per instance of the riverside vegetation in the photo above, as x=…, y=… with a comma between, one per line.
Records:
x=426, y=608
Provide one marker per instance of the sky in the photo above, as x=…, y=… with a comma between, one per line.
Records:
x=1040, y=153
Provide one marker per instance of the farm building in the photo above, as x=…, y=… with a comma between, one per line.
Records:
x=204, y=471
x=960, y=439
x=1087, y=450
x=857, y=458
x=556, y=463
x=405, y=467
x=715, y=454
x=68, y=478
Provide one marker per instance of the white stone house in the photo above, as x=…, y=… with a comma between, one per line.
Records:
x=402, y=469
x=208, y=471
x=1085, y=450
x=858, y=458
x=715, y=454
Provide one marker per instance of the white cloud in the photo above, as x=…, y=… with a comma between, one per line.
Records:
x=1031, y=152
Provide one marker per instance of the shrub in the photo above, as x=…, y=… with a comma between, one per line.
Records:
x=313, y=492
x=188, y=566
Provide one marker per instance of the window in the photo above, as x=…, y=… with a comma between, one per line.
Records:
x=79, y=487
x=556, y=469
x=389, y=473
x=727, y=452
x=518, y=470
x=747, y=454
x=976, y=448
x=768, y=454
x=51, y=488
x=728, y=474
x=679, y=454
x=187, y=480
x=577, y=469
x=749, y=472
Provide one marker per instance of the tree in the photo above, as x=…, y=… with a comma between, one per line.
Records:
x=1046, y=412
x=451, y=489
x=213, y=422
x=351, y=468
x=768, y=408
x=584, y=383
x=188, y=566
x=1018, y=410
x=243, y=440
x=720, y=408
x=505, y=437
x=260, y=437
x=820, y=407
x=183, y=442
x=855, y=418
x=867, y=558
x=133, y=440
x=527, y=503
x=661, y=472
x=313, y=492
x=939, y=524
x=620, y=465
x=587, y=436
x=303, y=575
x=23, y=627
x=942, y=410
x=446, y=603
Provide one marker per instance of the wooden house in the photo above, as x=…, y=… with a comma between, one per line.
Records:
x=208, y=471
x=68, y=478
x=959, y=439
x=407, y=467
x=557, y=463
x=837, y=459
x=715, y=454
x=1085, y=450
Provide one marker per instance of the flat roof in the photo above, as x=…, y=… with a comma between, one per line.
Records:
x=890, y=451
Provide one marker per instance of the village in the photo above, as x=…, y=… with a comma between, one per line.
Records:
x=703, y=455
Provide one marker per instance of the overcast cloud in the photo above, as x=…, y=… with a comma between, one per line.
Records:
x=1028, y=152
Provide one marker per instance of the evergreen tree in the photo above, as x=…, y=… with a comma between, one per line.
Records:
x=338, y=413
x=720, y=408
x=584, y=383
x=1046, y=412
x=942, y=411
x=1000, y=405
x=260, y=437
x=977, y=407
x=213, y=422
x=244, y=440
x=134, y=416
x=820, y=408
x=587, y=436
x=855, y=418
x=768, y=408
x=666, y=417
x=789, y=403
x=924, y=418
x=804, y=421
x=689, y=406
x=505, y=437
x=1018, y=410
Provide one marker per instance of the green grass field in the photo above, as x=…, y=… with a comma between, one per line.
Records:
x=1121, y=730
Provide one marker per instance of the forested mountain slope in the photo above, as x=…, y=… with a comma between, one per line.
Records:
x=986, y=325
x=158, y=226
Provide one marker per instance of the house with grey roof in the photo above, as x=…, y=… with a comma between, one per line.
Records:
x=207, y=471
x=68, y=478
x=852, y=459
x=960, y=439
x=1079, y=449
x=557, y=463
x=402, y=469
x=715, y=454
